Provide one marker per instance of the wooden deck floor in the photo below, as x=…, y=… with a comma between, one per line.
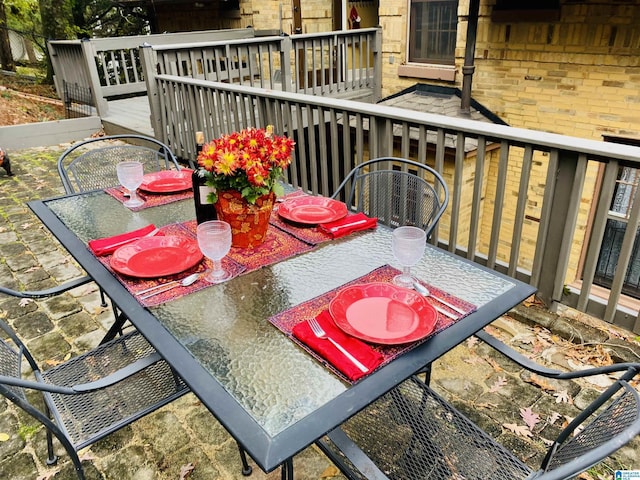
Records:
x=130, y=115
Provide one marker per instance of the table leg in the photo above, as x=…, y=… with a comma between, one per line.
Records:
x=287, y=470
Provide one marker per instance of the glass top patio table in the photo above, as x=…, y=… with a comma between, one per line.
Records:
x=272, y=396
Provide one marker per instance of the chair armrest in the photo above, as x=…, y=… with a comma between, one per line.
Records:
x=549, y=372
x=49, y=292
x=99, y=384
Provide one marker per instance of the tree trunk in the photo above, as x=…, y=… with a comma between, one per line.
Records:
x=56, y=25
x=6, y=57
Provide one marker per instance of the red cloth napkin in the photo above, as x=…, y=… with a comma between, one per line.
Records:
x=108, y=245
x=359, y=349
x=364, y=223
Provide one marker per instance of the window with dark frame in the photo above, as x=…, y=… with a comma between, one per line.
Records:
x=627, y=185
x=433, y=31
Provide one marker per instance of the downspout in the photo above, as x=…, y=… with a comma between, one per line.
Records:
x=470, y=49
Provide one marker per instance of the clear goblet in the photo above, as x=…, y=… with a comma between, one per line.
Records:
x=408, y=244
x=214, y=239
x=130, y=175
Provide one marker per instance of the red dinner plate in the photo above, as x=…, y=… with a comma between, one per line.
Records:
x=312, y=210
x=383, y=313
x=156, y=256
x=167, y=181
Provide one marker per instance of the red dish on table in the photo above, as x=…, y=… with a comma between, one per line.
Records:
x=167, y=181
x=383, y=313
x=312, y=210
x=156, y=256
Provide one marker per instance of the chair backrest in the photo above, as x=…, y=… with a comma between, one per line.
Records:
x=397, y=191
x=91, y=164
x=608, y=423
x=12, y=354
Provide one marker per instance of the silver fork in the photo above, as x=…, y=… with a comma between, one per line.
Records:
x=320, y=333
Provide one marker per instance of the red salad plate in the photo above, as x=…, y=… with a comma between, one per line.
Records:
x=167, y=181
x=383, y=313
x=312, y=210
x=156, y=256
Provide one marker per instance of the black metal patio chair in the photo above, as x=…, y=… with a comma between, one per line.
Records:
x=92, y=395
x=91, y=164
x=49, y=292
x=413, y=433
x=397, y=191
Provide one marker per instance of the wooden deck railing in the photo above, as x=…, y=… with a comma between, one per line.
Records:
x=110, y=67
x=343, y=63
x=498, y=215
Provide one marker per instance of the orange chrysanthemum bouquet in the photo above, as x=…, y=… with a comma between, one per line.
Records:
x=251, y=162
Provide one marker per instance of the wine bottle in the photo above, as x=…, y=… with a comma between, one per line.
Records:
x=205, y=210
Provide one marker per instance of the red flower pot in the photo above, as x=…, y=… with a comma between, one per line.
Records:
x=249, y=223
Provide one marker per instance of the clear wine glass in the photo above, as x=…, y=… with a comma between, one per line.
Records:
x=408, y=244
x=214, y=239
x=130, y=175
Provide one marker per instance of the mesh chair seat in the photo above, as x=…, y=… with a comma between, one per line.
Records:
x=426, y=438
x=95, y=414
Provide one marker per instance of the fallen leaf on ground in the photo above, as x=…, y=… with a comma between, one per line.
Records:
x=494, y=364
x=542, y=383
x=48, y=475
x=520, y=430
x=472, y=342
x=52, y=363
x=498, y=384
x=330, y=472
x=98, y=310
x=563, y=397
x=553, y=418
x=185, y=470
x=4, y=437
x=533, y=301
x=530, y=417
x=473, y=360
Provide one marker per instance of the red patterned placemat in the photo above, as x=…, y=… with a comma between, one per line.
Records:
x=311, y=234
x=150, y=199
x=286, y=320
x=135, y=285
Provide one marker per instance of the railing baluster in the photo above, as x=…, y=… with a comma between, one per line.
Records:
x=525, y=174
x=598, y=228
x=478, y=182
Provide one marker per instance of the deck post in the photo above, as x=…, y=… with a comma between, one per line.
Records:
x=89, y=54
x=285, y=63
x=377, y=66
x=563, y=216
x=148, y=59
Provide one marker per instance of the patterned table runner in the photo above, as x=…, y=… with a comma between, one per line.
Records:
x=150, y=199
x=278, y=246
x=286, y=320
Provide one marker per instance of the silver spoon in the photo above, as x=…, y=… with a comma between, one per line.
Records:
x=424, y=291
x=185, y=282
